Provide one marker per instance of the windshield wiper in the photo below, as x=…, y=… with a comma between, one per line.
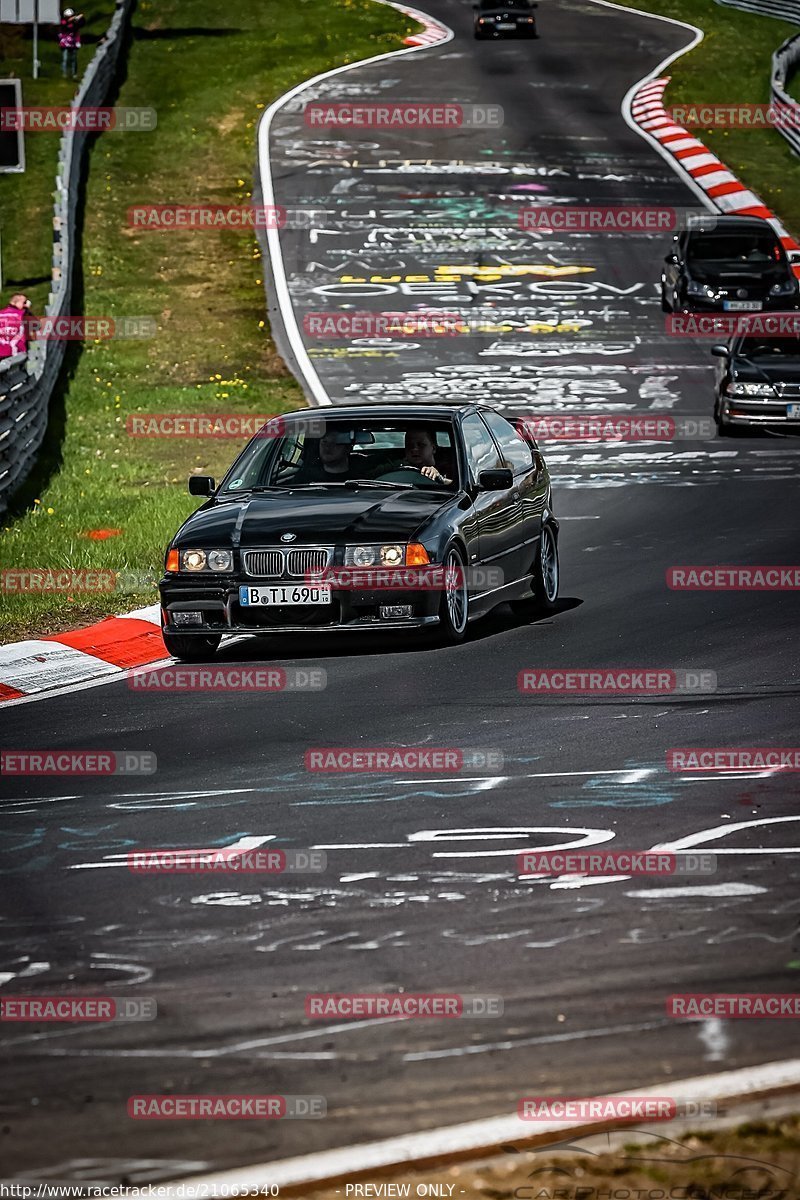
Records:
x=257, y=487
x=381, y=483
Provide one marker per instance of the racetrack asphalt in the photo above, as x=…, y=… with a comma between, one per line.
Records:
x=421, y=891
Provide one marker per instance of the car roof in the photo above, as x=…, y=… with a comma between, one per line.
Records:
x=757, y=224
x=357, y=412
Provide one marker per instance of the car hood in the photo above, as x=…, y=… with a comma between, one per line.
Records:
x=787, y=371
x=314, y=517
x=731, y=275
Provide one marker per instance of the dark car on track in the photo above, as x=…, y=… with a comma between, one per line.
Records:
x=757, y=383
x=734, y=264
x=367, y=518
x=511, y=18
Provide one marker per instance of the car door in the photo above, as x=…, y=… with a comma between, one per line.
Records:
x=497, y=513
x=530, y=483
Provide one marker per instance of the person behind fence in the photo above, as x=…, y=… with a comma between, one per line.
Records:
x=69, y=39
x=14, y=326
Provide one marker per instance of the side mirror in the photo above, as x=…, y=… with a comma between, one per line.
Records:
x=499, y=480
x=201, y=485
x=720, y=352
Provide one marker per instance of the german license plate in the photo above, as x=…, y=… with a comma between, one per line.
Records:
x=793, y=412
x=506, y=25
x=280, y=595
x=742, y=306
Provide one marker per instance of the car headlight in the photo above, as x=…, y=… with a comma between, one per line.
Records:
x=787, y=288
x=206, y=560
x=749, y=389
x=392, y=555
x=700, y=289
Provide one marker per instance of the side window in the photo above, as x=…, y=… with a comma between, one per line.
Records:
x=482, y=453
x=518, y=456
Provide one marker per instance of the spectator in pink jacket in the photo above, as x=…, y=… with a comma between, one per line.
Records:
x=14, y=326
x=69, y=39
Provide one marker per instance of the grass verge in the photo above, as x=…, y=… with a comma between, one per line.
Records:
x=759, y=1160
x=102, y=499
x=732, y=65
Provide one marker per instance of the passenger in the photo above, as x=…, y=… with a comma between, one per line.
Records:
x=335, y=448
x=420, y=453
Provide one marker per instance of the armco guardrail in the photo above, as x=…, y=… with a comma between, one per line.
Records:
x=786, y=10
x=26, y=387
x=784, y=61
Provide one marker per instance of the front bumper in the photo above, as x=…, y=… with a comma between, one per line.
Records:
x=702, y=304
x=753, y=410
x=218, y=601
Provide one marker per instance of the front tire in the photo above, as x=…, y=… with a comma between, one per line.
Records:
x=665, y=305
x=191, y=648
x=454, y=605
x=544, y=596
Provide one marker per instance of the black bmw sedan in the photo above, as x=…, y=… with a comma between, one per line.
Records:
x=364, y=518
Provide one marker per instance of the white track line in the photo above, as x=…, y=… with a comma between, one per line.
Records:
x=304, y=364
x=485, y=1137
x=697, y=37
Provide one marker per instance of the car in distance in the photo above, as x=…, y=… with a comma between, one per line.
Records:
x=731, y=264
x=320, y=519
x=757, y=383
x=505, y=18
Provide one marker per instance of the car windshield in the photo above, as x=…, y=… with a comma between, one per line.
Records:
x=314, y=453
x=761, y=249
x=784, y=347
x=505, y=4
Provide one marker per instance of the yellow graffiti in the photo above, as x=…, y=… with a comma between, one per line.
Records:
x=487, y=274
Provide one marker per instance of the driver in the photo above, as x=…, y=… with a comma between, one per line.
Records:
x=420, y=447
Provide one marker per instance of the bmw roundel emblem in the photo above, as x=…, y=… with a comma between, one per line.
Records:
x=288, y=537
